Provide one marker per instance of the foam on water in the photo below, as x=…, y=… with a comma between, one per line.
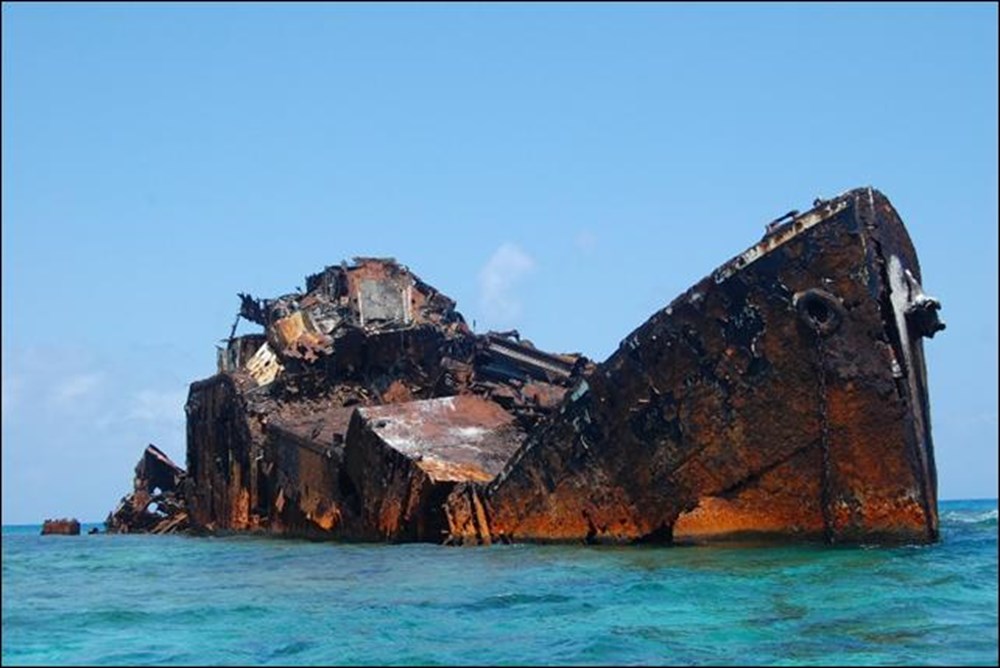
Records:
x=986, y=517
x=228, y=601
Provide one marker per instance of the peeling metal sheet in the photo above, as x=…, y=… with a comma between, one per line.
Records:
x=383, y=301
x=264, y=366
x=452, y=439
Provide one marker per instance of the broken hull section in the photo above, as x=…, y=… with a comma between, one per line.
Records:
x=782, y=396
x=157, y=503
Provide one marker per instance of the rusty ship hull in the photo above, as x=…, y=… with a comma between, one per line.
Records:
x=784, y=396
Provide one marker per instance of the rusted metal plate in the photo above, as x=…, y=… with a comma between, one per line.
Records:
x=61, y=527
x=297, y=479
x=404, y=459
x=454, y=439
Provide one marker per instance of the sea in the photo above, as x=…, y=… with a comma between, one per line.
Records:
x=176, y=600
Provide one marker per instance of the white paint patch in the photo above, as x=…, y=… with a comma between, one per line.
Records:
x=901, y=297
x=264, y=366
x=469, y=433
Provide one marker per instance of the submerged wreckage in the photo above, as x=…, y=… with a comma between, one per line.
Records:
x=784, y=395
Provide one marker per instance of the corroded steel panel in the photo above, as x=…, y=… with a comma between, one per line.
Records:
x=404, y=459
x=455, y=439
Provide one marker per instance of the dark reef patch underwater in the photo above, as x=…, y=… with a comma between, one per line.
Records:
x=140, y=599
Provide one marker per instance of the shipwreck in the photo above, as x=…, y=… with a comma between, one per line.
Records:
x=784, y=396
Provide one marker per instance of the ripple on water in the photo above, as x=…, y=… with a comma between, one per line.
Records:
x=512, y=599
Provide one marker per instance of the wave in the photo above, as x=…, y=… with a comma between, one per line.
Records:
x=984, y=518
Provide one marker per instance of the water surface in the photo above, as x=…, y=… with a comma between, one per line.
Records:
x=133, y=599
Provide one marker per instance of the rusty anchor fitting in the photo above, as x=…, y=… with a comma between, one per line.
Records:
x=922, y=311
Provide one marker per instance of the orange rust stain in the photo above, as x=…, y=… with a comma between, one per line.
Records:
x=875, y=484
x=397, y=392
x=785, y=500
x=440, y=470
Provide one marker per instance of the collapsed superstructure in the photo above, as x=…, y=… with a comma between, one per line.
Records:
x=363, y=403
x=783, y=395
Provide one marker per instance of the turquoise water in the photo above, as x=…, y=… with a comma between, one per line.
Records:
x=177, y=600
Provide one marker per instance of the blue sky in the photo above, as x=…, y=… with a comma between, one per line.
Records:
x=564, y=169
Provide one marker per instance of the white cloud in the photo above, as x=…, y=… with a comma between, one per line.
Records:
x=497, y=280
x=158, y=405
x=76, y=388
x=586, y=241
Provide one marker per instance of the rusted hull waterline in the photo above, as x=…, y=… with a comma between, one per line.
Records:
x=783, y=396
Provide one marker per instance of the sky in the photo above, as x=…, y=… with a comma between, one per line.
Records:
x=563, y=169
